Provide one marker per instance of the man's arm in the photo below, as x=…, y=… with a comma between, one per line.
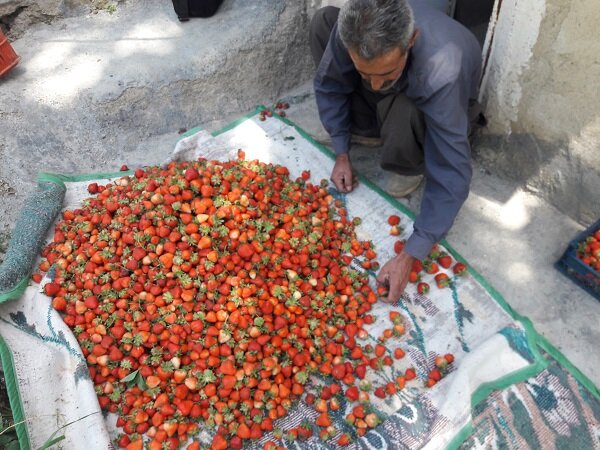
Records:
x=447, y=166
x=334, y=82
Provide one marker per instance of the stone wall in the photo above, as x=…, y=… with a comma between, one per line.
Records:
x=16, y=16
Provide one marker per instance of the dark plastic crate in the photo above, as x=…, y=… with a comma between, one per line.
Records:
x=571, y=266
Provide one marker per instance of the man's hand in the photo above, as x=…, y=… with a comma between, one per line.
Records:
x=341, y=175
x=394, y=275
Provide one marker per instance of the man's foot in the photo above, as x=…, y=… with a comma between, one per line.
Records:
x=401, y=185
x=366, y=141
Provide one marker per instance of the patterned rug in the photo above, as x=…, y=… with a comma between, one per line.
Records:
x=508, y=387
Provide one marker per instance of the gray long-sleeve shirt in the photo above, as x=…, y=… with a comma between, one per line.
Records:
x=441, y=76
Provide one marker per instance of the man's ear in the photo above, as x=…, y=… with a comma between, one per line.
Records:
x=413, y=38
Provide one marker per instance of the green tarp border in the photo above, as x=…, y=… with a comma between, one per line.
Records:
x=535, y=340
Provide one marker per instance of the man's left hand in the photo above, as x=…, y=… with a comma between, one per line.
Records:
x=394, y=274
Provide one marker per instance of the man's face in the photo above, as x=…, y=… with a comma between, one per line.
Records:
x=383, y=71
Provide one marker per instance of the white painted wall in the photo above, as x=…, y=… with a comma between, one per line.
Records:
x=511, y=37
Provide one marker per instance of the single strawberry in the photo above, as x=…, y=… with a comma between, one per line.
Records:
x=191, y=174
x=393, y=220
x=422, y=288
x=459, y=269
x=344, y=440
x=414, y=277
x=435, y=374
x=372, y=420
x=396, y=317
x=352, y=393
x=359, y=411
x=440, y=362
x=442, y=280
x=380, y=392
x=395, y=230
x=399, y=246
x=417, y=265
x=410, y=374
x=445, y=261
x=399, y=353
x=449, y=357
x=323, y=420
x=51, y=289
x=360, y=371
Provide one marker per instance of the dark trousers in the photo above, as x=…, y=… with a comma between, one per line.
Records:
x=393, y=117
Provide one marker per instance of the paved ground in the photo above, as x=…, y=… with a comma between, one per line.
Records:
x=94, y=92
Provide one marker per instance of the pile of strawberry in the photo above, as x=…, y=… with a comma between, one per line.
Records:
x=588, y=250
x=209, y=292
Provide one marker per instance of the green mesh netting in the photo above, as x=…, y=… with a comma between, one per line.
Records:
x=37, y=215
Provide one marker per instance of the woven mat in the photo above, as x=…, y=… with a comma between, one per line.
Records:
x=508, y=388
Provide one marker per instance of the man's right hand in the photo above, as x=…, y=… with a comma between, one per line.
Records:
x=341, y=174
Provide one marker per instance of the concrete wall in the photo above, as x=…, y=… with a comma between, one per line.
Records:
x=540, y=91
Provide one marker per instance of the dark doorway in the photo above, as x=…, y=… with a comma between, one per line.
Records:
x=475, y=15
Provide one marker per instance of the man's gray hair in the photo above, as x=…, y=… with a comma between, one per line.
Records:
x=372, y=28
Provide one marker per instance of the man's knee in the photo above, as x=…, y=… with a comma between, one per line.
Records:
x=320, y=28
x=324, y=18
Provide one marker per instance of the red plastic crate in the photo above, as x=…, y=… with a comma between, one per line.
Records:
x=8, y=57
x=571, y=266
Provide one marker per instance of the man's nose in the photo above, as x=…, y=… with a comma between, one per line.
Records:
x=377, y=83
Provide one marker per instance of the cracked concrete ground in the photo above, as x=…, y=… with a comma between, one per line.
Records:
x=94, y=92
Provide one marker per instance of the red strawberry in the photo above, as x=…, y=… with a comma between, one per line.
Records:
x=191, y=174
x=445, y=261
x=93, y=188
x=391, y=388
x=124, y=168
x=352, y=393
x=339, y=371
x=344, y=440
x=359, y=411
x=393, y=220
x=323, y=420
x=399, y=353
x=422, y=288
x=360, y=371
x=435, y=374
x=449, y=357
x=51, y=289
x=414, y=277
x=396, y=317
x=442, y=280
x=417, y=265
x=410, y=374
x=459, y=269
x=380, y=392
x=432, y=267
x=399, y=246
